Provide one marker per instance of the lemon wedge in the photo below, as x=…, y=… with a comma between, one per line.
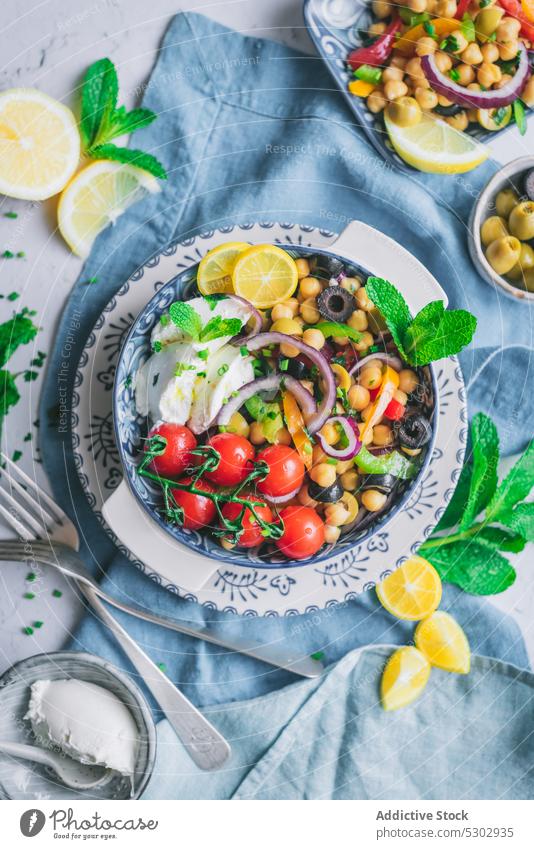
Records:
x=265, y=275
x=96, y=197
x=404, y=678
x=444, y=643
x=214, y=274
x=39, y=144
x=411, y=592
x=436, y=147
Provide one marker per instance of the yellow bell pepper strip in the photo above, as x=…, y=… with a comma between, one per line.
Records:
x=342, y=376
x=390, y=382
x=407, y=41
x=295, y=426
x=360, y=88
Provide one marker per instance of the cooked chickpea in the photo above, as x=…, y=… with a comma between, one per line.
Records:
x=466, y=74
x=425, y=46
x=508, y=50
x=472, y=55
x=527, y=95
x=303, y=267
x=367, y=412
x=367, y=436
x=381, y=8
x=303, y=497
x=398, y=62
x=373, y=500
x=349, y=480
x=508, y=30
x=504, y=80
x=358, y=320
x=336, y=514
x=371, y=377
x=256, y=434
x=460, y=41
x=405, y=112
x=408, y=380
x=287, y=325
x=382, y=435
x=281, y=311
x=377, y=28
x=394, y=89
x=415, y=70
x=392, y=73
x=289, y=351
x=342, y=341
x=493, y=228
x=343, y=466
x=309, y=311
x=363, y=300
x=376, y=101
x=365, y=342
x=351, y=284
x=323, y=474
x=238, y=424
x=444, y=101
x=401, y=397
x=330, y=434
x=283, y=437
x=507, y=198
x=443, y=62
x=417, y=6
x=458, y=121
x=331, y=534
x=313, y=338
x=318, y=455
x=293, y=305
x=359, y=397
x=488, y=73
x=489, y=51
x=446, y=8
x=309, y=287
x=426, y=98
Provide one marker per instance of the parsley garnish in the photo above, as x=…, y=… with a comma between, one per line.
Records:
x=499, y=115
x=450, y=43
x=454, y=74
x=181, y=367
x=203, y=354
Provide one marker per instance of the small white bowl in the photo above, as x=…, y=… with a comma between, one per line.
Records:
x=507, y=177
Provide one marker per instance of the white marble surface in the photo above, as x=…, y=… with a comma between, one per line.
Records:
x=48, y=44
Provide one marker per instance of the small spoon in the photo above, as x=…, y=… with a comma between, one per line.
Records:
x=71, y=773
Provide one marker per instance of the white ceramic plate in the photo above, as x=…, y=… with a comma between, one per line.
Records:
x=256, y=590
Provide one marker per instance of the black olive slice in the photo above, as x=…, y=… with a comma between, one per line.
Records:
x=383, y=483
x=528, y=184
x=336, y=304
x=414, y=431
x=448, y=111
x=331, y=266
x=325, y=494
x=296, y=368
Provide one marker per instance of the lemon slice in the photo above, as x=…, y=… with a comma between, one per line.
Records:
x=434, y=146
x=265, y=275
x=404, y=678
x=444, y=643
x=96, y=197
x=411, y=592
x=39, y=144
x=215, y=270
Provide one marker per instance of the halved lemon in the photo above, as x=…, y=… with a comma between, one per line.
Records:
x=214, y=274
x=96, y=197
x=434, y=146
x=265, y=275
x=404, y=678
x=411, y=592
x=443, y=642
x=39, y=144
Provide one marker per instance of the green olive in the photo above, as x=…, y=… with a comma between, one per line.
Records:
x=505, y=202
x=521, y=221
x=525, y=263
x=503, y=254
x=493, y=228
x=528, y=281
x=404, y=112
x=487, y=21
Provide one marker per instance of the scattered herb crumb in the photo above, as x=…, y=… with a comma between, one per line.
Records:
x=38, y=624
x=21, y=254
x=57, y=593
x=10, y=215
x=29, y=596
x=8, y=254
x=27, y=438
x=13, y=296
x=16, y=456
x=317, y=655
x=31, y=576
x=162, y=666
x=90, y=281
x=28, y=630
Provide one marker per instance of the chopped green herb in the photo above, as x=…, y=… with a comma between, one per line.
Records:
x=57, y=593
x=29, y=596
x=38, y=624
x=307, y=448
x=213, y=300
x=164, y=319
x=128, y=381
x=8, y=254
x=10, y=215
x=483, y=3
x=454, y=74
x=243, y=351
x=31, y=576
x=203, y=354
x=499, y=115
x=450, y=43
x=162, y=666
x=30, y=375
x=201, y=374
x=283, y=365
x=90, y=281
x=21, y=255
x=223, y=369
x=331, y=461
x=157, y=346
x=429, y=28
x=28, y=630
x=317, y=655
x=27, y=438
x=181, y=367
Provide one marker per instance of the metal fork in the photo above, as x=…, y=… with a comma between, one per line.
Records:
x=45, y=519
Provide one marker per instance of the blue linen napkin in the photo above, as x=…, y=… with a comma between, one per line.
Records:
x=251, y=130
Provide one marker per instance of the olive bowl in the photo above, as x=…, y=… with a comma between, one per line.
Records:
x=507, y=177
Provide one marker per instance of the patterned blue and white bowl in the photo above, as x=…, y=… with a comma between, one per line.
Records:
x=131, y=428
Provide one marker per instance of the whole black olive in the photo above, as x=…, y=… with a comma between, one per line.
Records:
x=325, y=494
x=336, y=304
x=383, y=483
x=528, y=184
x=330, y=266
x=414, y=431
x=296, y=368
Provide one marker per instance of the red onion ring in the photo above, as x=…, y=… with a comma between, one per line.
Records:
x=280, y=499
x=317, y=420
x=388, y=359
x=492, y=99
x=350, y=429
x=304, y=398
x=255, y=316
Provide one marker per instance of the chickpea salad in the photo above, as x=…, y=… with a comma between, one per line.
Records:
x=467, y=62
x=508, y=235
x=290, y=402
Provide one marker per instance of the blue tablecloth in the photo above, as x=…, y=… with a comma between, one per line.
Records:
x=251, y=130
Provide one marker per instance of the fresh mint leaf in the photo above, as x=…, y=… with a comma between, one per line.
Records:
x=515, y=487
x=213, y=300
x=130, y=157
x=436, y=333
x=123, y=123
x=186, y=318
x=501, y=539
x=473, y=566
x=520, y=520
x=18, y=330
x=99, y=99
x=485, y=453
x=9, y=394
x=217, y=327
x=393, y=307
x=457, y=504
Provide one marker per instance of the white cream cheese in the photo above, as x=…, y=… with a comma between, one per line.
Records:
x=89, y=723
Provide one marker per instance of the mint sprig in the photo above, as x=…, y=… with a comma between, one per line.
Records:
x=489, y=517
x=18, y=330
x=184, y=316
x=101, y=120
x=433, y=334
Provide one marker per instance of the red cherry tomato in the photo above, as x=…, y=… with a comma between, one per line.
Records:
x=252, y=534
x=198, y=510
x=286, y=470
x=176, y=457
x=235, y=464
x=394, y=410
x=303, y=532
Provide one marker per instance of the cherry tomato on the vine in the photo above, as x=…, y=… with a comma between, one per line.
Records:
x=235, y=464
x=303, y=532
x=286, y=470
x=176, y=457
x=252, y=530
x=198, y=510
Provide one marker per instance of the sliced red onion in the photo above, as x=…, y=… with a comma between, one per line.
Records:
x=270, y=383
x=350, y=429
x=280, y=499
x=388, y=359
x=492, y=99
x=255, y=316
x=317, y=420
